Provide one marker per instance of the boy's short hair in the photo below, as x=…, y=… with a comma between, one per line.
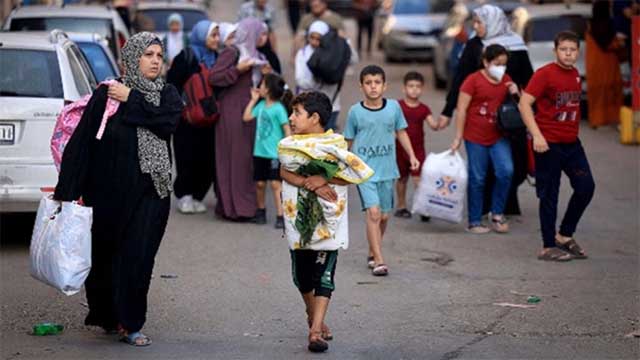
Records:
x=413, y=76
x=372, y=70
x=566, y=36
x=315, y=102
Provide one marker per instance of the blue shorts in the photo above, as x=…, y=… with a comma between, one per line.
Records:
x=377, y=193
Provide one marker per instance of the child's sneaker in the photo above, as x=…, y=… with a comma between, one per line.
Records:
x=185, y=204
x=279, y=222
x=260, y=217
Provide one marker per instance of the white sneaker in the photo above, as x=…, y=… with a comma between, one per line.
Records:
x=186, y=205
x=199, y=207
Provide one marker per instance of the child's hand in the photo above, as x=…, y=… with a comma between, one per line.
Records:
x=540, y=144
x=415, y=163
x=455, y=145
x=513, y=88
x=313, y=183
x=327, y=193
x=255, y=94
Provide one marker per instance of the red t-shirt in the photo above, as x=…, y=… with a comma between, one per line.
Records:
x=481, y=123
x=415, y=117
x=557, y=91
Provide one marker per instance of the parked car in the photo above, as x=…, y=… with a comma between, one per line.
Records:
x=75, y=18
x=96, y=51
x=411, y=30
x=455, y=32
x=153, y=15
x=39, y=73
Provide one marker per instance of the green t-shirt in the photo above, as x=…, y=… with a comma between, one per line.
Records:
x=269, y=132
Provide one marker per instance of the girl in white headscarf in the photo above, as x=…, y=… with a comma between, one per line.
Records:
x=176, y=39
x=227, y=33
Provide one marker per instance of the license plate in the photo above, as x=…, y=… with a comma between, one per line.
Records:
x=7, y=134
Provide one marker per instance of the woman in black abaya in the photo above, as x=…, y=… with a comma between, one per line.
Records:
x=126, y=178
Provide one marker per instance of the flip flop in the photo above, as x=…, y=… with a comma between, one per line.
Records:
x=316, y=343
x=380, y=270
x=555, y=254
x=136, y=339
x=572, y=248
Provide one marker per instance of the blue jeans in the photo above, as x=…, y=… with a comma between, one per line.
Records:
x=479, y=156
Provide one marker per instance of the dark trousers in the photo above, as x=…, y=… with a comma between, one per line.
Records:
x=570, y=159
x=294, y=10
x=194, y=150
x=365, y=23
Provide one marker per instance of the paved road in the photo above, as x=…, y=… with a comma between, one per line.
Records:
x=234, y=298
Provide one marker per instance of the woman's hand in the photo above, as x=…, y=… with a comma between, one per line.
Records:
x=255, y=95
x=245, y=65
x=443, y=122
x=455, y=145
x=540, y=144
x=327, y=193
x=266, y=69
x=313, y=183
x=119, y=91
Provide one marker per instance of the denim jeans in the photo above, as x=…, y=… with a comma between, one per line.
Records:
x=570, y=159
x=478, y=158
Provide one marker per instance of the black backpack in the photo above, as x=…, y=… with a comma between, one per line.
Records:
x=509, y=118
x=329, y=62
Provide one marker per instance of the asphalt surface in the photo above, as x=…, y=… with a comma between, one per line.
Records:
x=233, y=297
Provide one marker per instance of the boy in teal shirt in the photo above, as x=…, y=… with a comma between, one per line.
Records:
x=371, y=130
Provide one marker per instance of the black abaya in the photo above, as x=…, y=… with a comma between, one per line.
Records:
x=129, y=217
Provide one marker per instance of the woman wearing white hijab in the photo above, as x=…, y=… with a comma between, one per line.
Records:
x=492, y=27
x=227, y=33
x=175, y=40
x=305, y=80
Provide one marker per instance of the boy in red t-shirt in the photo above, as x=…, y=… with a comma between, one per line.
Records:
x=416, y=114
x=556, y=90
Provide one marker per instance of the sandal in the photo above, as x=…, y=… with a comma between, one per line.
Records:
x=136, y=339
x=478, y=229
x=370, y=263
x=380, y=270
x=572, y=248
x=316, y=343
x=555, y=254
x=500, y=224
x=402, y=213
x=326, y=332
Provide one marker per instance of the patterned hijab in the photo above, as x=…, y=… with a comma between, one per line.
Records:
x=498, y=28
x=153, y=153
x=198, y=42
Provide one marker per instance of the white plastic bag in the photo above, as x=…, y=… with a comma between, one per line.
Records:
x=442, y=188
x=61, y=245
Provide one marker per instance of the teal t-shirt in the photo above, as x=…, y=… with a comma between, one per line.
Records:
x=374, y=136
x=269, y=121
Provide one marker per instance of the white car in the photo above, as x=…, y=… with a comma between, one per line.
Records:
x=96, y=51
x=411, y=30
x=102, y=20
x=39, y=73
x=153, y=15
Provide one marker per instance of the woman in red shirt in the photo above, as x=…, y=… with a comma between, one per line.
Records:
x=481, y=94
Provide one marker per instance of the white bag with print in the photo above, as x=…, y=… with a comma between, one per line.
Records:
x=442, y=188
x=60, y=248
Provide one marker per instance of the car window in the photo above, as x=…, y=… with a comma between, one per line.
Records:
x=38, y=77
x=99, y=61
x=86, y=68
x=104, y=27
x=545, y=29
x=156, y=19
x=408, y=7
x=78, y=74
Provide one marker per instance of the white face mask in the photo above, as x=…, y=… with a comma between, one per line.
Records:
x=497, y=71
